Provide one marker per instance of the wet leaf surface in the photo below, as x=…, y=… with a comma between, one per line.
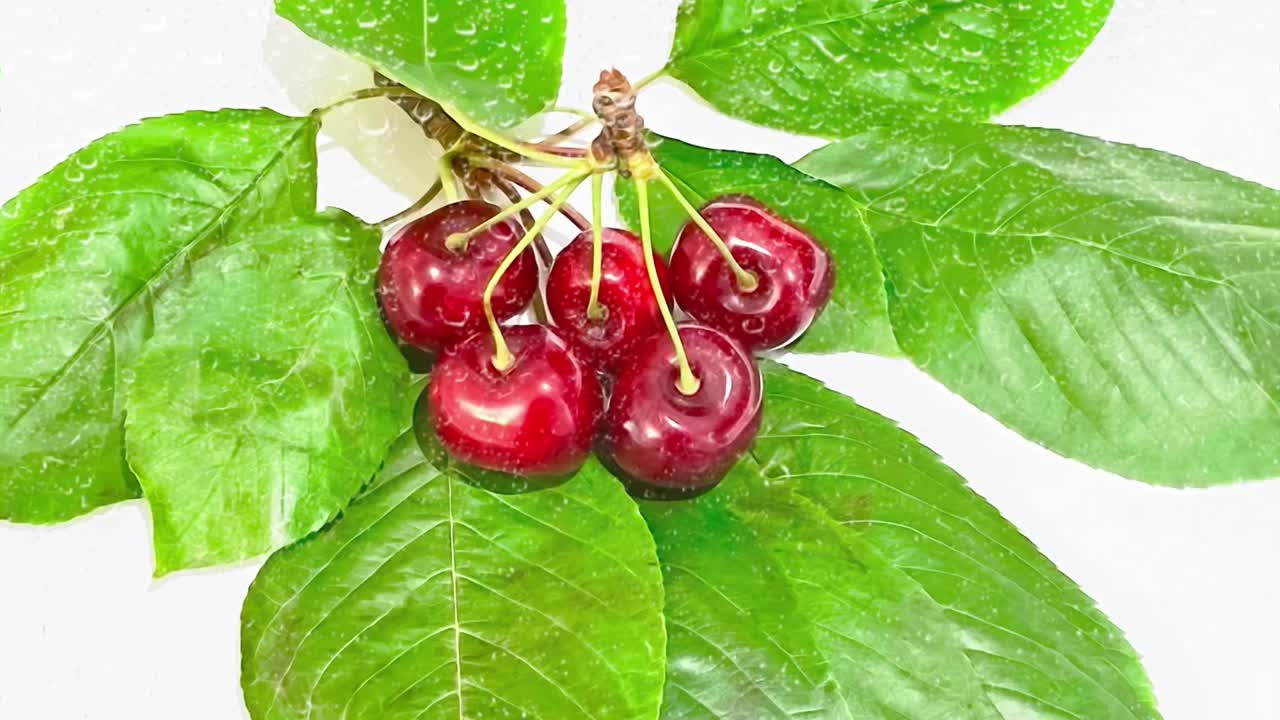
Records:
x=86, y=254
x=432, y=598
x=1118, y=305
x=268, y=394
x=835, y=67
x=495, y=60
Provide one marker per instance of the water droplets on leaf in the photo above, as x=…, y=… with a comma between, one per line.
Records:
x=374, y=125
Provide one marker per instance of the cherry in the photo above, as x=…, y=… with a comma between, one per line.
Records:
x=535, y=419
x=795, y=274
x=628, y=312
x=432, y=293
x=666, y=444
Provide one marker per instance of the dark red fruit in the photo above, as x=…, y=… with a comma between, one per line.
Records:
x=535, y=419
x=432, y=295
x=630, y=312
x=795, y=274
x=664, y=443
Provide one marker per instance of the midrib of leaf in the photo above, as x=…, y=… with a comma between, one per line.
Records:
x=1058, y=608
x=453, y=582
x=1000, y=232
x=1127, y=258
x=729, y=655
x=125, y=305
x=320, y=570
x=451, y=520
x=279, y=688
x=846, y=712
x=426, y=45
x=240, y=436
x=712, y=50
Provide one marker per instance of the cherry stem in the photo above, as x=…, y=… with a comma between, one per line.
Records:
x=458, y=241
x=530, y=185
x=502, y=357
x=553, y=149
x=747, y=281
x=648, y=80
x=688, y=384
x=569, y=132
x=545, y=256
x=516, y=146
x=594, y=311
x=526, y=217
x=447, y=177
x=572, y=111
x=415, y=208
x=391, y=91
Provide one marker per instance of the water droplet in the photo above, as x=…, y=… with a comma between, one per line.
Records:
x=374, y=126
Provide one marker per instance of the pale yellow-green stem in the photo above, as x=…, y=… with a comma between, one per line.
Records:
x=572, y=111
x=648, y=79
x=458, y=241
x=415, y=208
x=594, y=311
x=747, y=282
x=448, y=180
x=515, y=146
x=688, y=384
x=392, y=91
x=571, y=131
x=502, y=358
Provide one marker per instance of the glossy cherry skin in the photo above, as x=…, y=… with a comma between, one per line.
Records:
x=795, y=274
x=536, y=419
x=432, y=296
x=631, y=313
x=666, y=444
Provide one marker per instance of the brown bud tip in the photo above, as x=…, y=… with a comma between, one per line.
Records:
x=622, y=134
x=613, y=82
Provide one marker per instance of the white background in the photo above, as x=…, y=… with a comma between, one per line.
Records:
x=1190, y=576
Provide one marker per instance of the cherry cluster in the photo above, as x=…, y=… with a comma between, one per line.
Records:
x=668, y=407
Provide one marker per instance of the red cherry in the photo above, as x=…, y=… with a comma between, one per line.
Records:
x=795, y=274
x=432, y=295
x=664, y=443
x=630, y=312
x=535, y=419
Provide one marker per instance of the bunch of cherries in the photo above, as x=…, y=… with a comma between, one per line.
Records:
x=668, y=407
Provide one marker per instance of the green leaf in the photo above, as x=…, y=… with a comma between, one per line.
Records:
x=432, y=598
x=1118, y=305
x=268, y=395
x=834, y=67
x=843, y=570
x=857, y=317
x=495, y=60
x=84, y=254
x=818, y=622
